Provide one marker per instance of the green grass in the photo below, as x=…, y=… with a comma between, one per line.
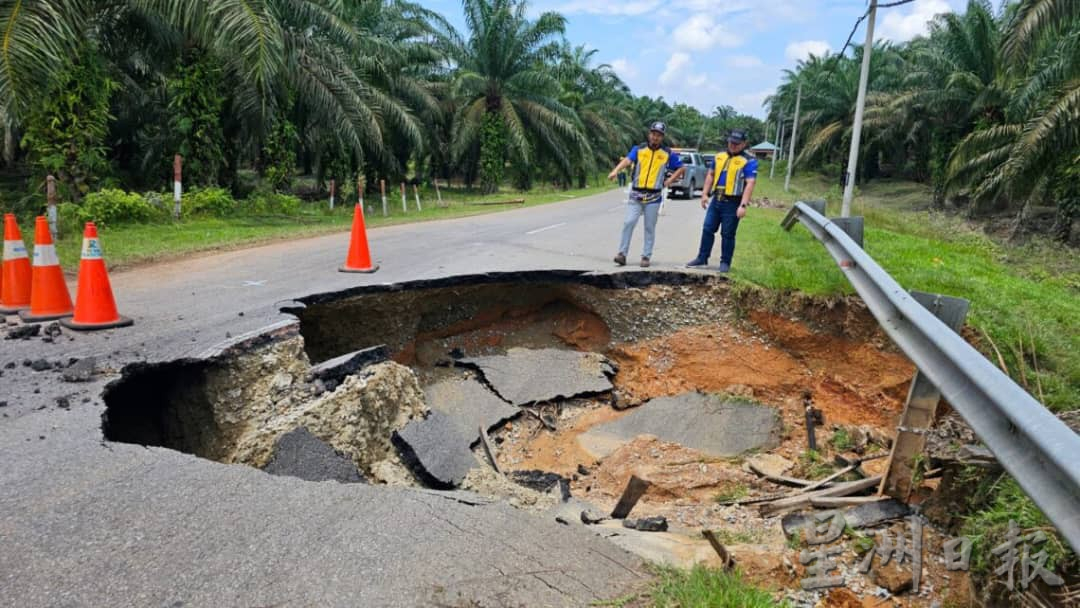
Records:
x=701, y=587
x=811, y=466
x=130, y=244
x=841, y=440
x=731, y=491
x=728, y=536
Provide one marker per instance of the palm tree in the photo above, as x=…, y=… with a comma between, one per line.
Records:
x=342, y=69
x=954, y=79
x=506, y=97
x=599, y=99
x=830, y=87
x=1028, y=155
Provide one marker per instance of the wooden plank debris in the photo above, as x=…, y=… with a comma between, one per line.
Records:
x=487, y=450
x=779, y=479
x=635, y=489
x=800, y=500
x=726, y=560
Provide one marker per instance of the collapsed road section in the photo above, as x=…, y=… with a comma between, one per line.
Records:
x=675, y=402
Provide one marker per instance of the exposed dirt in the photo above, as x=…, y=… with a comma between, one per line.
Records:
x=851, y=382
x=666, y=339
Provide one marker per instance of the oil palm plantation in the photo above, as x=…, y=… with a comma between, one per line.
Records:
x=599, y=98
x=1029, y=156
x=953, y=80
x=508, y=101
x=327, y=70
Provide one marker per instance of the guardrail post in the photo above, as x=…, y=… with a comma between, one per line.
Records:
x=817, y=205
x=920, y=411
x=853, y=226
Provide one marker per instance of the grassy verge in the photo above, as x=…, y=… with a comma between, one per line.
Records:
x=129, y=244
x=706, y=587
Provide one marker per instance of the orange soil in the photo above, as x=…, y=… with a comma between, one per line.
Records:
x=851, y=382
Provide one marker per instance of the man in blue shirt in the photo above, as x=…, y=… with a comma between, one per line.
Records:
x=731, y=182
x=650, y=160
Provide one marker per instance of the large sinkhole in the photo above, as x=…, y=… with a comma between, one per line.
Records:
x=558, y=376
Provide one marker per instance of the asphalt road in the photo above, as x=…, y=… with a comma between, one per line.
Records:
x=84, y=522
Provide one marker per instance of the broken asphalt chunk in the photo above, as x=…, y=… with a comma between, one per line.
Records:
x=300, y=454
x=24, y=332
x=470, y=403
x=334, y=371
x=860, y=516
x=437, y=450
x=541, y=481
x=647, y=524
x=523, y=376
x=714, y=424
x=82, y=371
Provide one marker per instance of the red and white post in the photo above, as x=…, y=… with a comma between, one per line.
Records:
x=333, y=184
x=382, y=188
x=177, y=167
x=404, y=207
x=50, y=197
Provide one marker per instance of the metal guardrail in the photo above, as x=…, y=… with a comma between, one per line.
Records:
x=1034, y=446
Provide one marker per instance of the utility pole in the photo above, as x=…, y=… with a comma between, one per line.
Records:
x=794, y=134
x=860, y=103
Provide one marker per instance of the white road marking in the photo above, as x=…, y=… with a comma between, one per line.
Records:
x=545, y=228
x=254, y=283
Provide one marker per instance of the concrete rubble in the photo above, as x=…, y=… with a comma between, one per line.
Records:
x=714, y=424
x=437, y=449
x=526, y=376
x=469, y=403
x=300, y=454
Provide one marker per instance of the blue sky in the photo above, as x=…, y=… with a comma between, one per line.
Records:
x=708, y=53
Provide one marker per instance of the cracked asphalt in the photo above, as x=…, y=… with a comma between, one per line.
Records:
x=84, y=522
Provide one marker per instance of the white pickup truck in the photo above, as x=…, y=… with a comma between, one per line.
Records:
x=694, y=177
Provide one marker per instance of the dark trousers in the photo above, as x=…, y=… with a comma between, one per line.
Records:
x=720, y=214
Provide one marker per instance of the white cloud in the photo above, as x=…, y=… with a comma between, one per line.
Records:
x=745, y=62
x=614, y=9
x=674, y=67
x=797, y=51
x=624, y=68
x=701, y=32
x=899, y=26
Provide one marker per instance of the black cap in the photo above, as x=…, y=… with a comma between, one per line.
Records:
x=659, y=127
x=737, y=136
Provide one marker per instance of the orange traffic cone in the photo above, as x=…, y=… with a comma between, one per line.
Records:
x=15, y=287
x=359, y=259
x=95, y=307
x=49, y=297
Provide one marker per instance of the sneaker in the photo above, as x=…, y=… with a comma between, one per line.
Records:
x=620, y=260
x=644, y=262
x=696, y=262
x=723, y=268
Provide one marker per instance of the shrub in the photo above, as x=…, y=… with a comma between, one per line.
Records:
x=110, y=207
x=209, y=201
x=271, y=203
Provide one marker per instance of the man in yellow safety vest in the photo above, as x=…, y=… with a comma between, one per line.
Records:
x=651, y=160
x=732, y=178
